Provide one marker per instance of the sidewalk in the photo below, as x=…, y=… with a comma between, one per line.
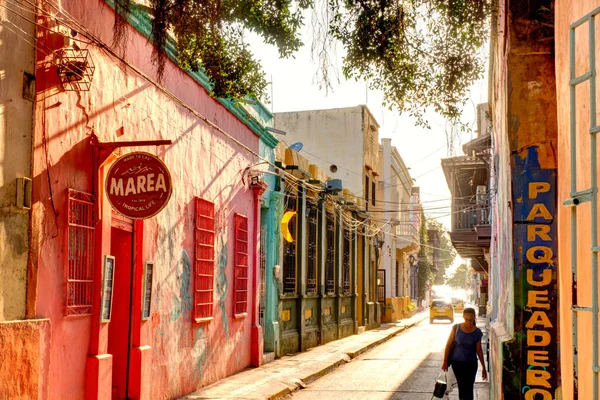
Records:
x=482, y=388
x=283, y=376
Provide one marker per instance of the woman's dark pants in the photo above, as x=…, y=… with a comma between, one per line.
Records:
x=465, y=372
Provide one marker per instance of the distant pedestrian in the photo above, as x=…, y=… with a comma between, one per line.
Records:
x=462, y=349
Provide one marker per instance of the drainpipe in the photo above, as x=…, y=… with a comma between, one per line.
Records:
x=257, y=343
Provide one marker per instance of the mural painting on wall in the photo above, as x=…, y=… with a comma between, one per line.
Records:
x=138, y=185
x=534, y=196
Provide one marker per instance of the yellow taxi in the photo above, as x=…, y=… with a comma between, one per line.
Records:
x=441, y=309
x=458, y=304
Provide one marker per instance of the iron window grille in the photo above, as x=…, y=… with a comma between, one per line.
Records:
x=241, y=264
x=289, y=250
x=330, y=254
x=397, y=279
x=366, y=192
x=381, y=286
x=373, y=188
x=204, y=259
x=80, y=247
x=346, y=261
x=311, y=264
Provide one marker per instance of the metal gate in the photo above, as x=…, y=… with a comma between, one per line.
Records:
x=587, y=195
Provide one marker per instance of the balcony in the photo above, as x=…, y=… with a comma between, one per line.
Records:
x=471, y=229
x=407, y=237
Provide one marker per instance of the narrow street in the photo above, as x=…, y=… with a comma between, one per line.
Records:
x=405, y=367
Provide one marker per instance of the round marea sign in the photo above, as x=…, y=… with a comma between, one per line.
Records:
x=138, y=185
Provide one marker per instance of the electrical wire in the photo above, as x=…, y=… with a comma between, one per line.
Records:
x=293, y=182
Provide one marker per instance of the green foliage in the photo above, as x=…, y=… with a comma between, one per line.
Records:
x=460, y=279
x=424, y=276
x=447, y=253
x=419, y=53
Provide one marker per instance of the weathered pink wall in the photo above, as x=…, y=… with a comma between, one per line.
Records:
x=202, y=162
x=567, y=12
x=25, y=347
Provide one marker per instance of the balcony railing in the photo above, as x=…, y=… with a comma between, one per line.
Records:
x=407, y=229
x=408, y=235
x=467, y=215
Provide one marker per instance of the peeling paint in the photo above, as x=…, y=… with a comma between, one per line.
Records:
x=222, y=283
x=199, y=352
x=185, y=304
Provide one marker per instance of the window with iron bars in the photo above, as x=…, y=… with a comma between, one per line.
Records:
x=373, y=190
x=204, y=238
x=241, y=264
x=311, y=259
x=366, y=192
x=80, y=247
x=346, y=261
x=330, y=253
x=289, y=250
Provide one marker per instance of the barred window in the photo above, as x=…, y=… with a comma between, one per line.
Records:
x=366, y=192
x=289, y=249
x=330, y=254
x=346, y=261
x=80, y=258
x=373, y=190
x=311, y=262
x=204, y=259
x=397, y=279
x=241, y=264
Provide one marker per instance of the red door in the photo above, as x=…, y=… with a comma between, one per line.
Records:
x=120, y=326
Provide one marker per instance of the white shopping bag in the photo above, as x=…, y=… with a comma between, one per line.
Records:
x=451, y=383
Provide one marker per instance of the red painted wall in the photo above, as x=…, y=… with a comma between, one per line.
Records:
x=121, y=106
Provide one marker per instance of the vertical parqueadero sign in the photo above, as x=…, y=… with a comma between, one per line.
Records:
x=138, y=185
x=535, y=263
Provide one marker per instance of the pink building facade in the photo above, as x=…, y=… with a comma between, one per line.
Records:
x=135, y=306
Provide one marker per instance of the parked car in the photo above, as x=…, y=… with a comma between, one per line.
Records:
x=458, y=304
x=441, y=309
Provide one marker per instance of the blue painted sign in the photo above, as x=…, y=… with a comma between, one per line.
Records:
x=536, y=298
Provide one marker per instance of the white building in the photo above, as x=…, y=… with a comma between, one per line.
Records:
x=343, y=142
x=401, y=212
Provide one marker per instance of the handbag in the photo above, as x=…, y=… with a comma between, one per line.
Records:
x=441, y=383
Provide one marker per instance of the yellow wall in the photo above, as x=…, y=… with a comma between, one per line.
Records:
x=568, y=11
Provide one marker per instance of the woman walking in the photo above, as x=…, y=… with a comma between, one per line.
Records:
x=465, y=345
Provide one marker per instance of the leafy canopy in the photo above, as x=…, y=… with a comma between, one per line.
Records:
x=460, y=278
x=445, y=249
x=419, y=53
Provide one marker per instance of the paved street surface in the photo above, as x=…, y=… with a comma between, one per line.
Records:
x=405, y=367
x=396, y=361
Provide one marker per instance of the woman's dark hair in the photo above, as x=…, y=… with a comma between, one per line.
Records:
x=469, y=310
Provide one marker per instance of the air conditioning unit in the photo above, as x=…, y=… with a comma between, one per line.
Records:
x=333, y=186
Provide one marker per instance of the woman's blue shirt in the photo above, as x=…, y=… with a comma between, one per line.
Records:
x=464, y=349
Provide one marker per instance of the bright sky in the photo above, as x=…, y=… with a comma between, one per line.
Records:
x=294, y=88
